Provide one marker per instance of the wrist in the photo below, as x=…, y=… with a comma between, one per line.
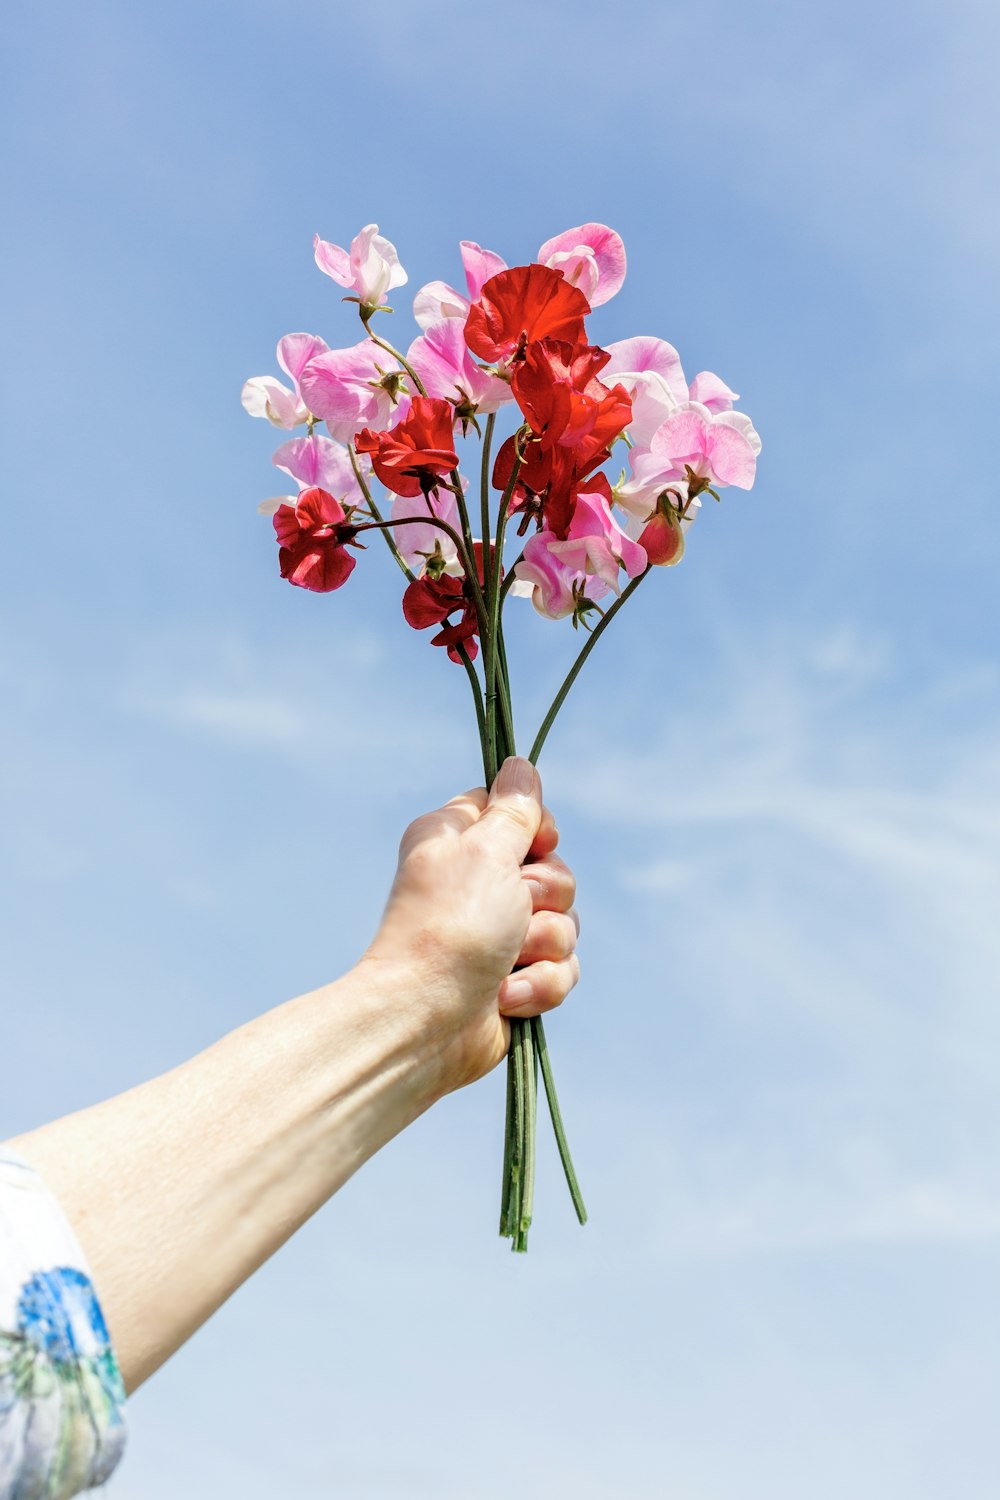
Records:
x=393, y=1013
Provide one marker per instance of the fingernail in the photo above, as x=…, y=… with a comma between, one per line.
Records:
x=516, y=991
x=517, y=776
x=537, y=891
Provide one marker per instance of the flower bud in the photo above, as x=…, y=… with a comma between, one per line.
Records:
x=662, y=539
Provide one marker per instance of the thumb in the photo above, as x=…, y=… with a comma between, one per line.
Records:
x=513, y=812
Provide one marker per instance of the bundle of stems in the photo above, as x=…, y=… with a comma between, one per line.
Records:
x=528, y=1056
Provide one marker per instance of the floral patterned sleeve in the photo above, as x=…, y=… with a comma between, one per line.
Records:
x=62, y=1402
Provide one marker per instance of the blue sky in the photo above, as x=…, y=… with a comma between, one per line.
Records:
x=778, y=781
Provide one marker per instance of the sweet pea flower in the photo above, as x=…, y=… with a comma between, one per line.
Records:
x=563, y=574
x=518, y=306
x=370, y=269
x=318, y=462
x=711, y=392
x=591, y=257
x=650, y=370
x=312, y=537
x=438, y=300
x=431, y=601
x=419, y=542
x=264, y=396
x=560, y=396
x=357, y=387
x=695, y=445
x=418, y=452
x=441, y=358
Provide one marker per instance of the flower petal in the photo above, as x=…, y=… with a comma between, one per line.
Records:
x=586, y=246
x=479, y=265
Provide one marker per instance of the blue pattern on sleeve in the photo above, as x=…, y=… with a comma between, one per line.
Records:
x=62, y=1402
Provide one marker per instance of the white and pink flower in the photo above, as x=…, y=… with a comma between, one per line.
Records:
x=370, y=269
x=264, y=396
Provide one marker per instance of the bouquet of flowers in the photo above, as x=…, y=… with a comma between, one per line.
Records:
x=514, y=341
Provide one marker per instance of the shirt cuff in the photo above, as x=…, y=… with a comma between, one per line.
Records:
x=62, y=1401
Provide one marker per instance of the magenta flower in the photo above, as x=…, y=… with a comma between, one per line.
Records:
x=711, y=392
x=316, y=462
x=695, y=447
x=370, y=268
x=444, y=362
x=418, y=543
x=591, y=257
x=438, y=300
x=558, y=573
x=264, y=396
x=354, y=388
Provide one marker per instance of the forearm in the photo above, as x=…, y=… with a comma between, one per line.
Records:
x=180, y=1188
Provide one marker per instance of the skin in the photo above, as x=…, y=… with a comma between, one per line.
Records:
x=181, y=1187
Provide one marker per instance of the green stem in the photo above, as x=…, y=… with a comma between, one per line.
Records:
x=530, y=1132
x=484, y=479
x=477, y=695
x=362, y=485
x=509, y=579
x=575, y=669
x=508, y=1152
x=517, y=1161
x=557, y=1121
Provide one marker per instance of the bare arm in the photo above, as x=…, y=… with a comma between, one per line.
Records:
x=180, y=1188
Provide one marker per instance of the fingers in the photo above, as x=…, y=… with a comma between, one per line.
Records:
x=457, y=815
x=546, y=838
x=513, y=814
x=551, y=935
x=551, y=882
x=539, y=987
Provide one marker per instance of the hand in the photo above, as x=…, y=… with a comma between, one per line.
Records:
x=480, y=889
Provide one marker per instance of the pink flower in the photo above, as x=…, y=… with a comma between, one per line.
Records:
x=442, y=359
x=650, y=370
x=711, y=392
x=371, y=269
x=560, y=573
x=720, y=448
x=353, y=388
x=264, y=396
x=438, y=300
x=591, y=257
x=418, y=543
x=317, y=462
x=696, y=447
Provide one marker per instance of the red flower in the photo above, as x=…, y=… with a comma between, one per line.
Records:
x=548, y=480
x=411, y=458
x=557, y=389
x=431, y=601
x=518, y=306
x=312, y=536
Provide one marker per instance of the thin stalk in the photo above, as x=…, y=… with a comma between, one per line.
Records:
x=509, y=579
x=484, y=478
x=503, y=690
x=530, y=1132
x=508, y=1151
x=477, y=694
x=362, y=485
x=557, y=1121
x=517, y=1162
x=493, y=591
x=574, y=670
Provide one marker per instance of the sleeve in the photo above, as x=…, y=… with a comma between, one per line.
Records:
x=62, y=1402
